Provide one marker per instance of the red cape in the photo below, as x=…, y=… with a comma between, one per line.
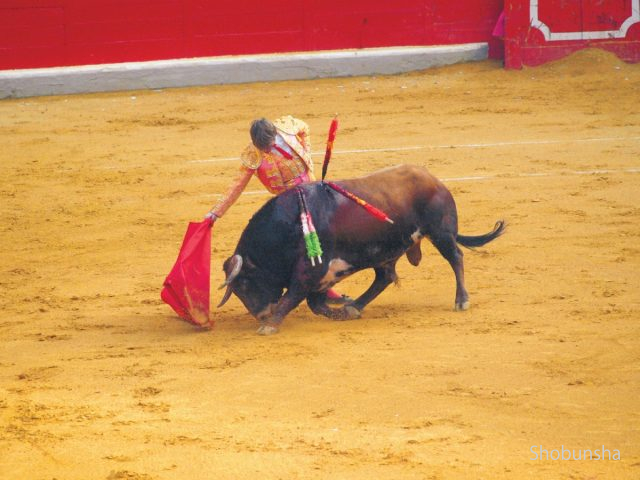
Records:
x=186, y=288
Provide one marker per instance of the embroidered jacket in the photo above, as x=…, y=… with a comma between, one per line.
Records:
x=288, y=163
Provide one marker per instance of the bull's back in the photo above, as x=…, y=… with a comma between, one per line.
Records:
x=392, y=188
x=404, y=193
x=398, y=191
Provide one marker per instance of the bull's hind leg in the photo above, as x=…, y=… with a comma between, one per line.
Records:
x=447, y=246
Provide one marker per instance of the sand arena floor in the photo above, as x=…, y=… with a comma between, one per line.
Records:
x=99, y=380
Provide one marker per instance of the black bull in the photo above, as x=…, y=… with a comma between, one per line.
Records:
x=271, y=258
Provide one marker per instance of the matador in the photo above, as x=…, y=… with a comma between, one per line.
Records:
x=280, y=156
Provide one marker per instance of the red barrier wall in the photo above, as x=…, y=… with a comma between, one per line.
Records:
x=46, y=33
x=538, y=31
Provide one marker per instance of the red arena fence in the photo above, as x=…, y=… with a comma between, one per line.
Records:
x=48, y=33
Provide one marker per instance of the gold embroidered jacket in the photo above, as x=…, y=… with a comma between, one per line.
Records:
x=279, y=169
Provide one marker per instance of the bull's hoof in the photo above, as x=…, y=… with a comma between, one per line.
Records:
x=351, y=312
x=267, y=329
x=462, y=306
x=341, y=300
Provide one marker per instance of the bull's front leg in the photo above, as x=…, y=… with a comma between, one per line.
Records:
x=317, y=302
x=287, y=302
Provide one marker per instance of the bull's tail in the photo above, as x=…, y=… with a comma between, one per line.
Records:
x=473, y=241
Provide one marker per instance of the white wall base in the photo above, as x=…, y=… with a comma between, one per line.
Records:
x=232, y=69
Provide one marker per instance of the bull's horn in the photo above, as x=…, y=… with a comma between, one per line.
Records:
x=227, y=294
x=236, y=266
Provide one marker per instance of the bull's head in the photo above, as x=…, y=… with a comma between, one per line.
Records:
x=252, y=285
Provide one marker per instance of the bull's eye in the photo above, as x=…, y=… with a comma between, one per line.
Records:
x=242, y=283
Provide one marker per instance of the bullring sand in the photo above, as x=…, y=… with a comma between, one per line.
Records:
x=99, y=380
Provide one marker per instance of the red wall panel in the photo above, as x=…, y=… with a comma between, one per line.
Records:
x=561, y=15
x=605, y=15
x=543, y=30
x=43, y=33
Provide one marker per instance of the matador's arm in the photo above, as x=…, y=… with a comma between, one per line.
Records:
x=233, y=193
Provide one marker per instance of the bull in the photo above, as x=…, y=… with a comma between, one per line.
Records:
x=271, y=274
